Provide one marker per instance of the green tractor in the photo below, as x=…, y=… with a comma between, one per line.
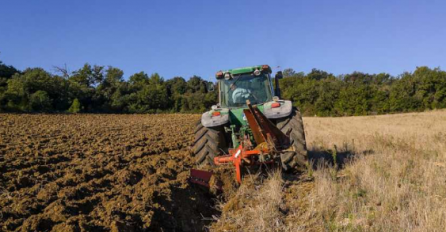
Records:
x=249, y=92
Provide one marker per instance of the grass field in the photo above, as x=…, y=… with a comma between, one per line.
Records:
x=397, y=181
x=129, y=173
x=389, y=176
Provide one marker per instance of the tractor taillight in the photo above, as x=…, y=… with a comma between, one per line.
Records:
x=219, y=75
x=275, y=105
x=216, y=113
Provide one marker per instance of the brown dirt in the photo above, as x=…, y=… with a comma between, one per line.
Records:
x=99, y=172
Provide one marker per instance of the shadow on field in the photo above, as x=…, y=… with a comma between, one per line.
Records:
x=322, y=158
x=188, y=209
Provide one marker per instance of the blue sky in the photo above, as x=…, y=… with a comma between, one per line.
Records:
x=185, y=38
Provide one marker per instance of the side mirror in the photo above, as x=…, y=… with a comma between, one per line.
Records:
x=210, y=86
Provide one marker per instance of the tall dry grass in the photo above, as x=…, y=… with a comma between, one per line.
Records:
x=254, y=207
x=395, y=180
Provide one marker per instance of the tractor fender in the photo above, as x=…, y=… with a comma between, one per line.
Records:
x=209, y=119
x=273, y=111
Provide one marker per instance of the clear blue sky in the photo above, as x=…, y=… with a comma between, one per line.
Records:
x=183, y=38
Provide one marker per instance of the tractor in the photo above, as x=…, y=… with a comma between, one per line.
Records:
x=250, y=125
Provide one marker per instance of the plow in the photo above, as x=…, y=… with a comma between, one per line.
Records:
x=249, y=127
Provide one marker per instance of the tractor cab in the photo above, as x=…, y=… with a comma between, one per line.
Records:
x=235, y=86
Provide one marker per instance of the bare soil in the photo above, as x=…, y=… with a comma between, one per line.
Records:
x=99, y=173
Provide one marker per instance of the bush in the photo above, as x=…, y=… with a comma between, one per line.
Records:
x=75, y=107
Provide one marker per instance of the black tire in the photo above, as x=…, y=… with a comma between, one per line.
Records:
x=297, y=159
x=208, y=143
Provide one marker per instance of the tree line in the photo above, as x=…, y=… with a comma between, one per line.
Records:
x=323, y=94
x=100, y=89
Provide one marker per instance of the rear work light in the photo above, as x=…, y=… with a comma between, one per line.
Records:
x=216, y=113
x=275, y=105
x=219, y=75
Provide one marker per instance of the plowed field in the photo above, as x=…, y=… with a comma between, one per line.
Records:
x=99, y=173
x=129, y=173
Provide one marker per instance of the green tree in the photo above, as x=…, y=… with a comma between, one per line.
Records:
x=75, y=107
x=139, y=79
x=152, y=95
x=88, y=76
x=7, y=71
x=16, y=95
x=317, y=74
x=109, y=94
x=288, y=72
x=176, y=87
x=83, y=86
x=196, y=84
x=40, y=102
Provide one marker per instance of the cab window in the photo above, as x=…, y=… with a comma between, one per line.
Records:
x=236, y=91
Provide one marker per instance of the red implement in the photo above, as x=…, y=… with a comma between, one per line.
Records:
x=203, y=178
x=239, y=157
x=200, y=177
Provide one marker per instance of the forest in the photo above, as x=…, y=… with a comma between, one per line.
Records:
x=103, y=89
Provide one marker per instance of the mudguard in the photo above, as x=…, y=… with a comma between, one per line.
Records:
x=284, y=110
x=209, y=119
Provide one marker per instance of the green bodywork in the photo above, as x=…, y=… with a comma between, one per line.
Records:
x=238, y=125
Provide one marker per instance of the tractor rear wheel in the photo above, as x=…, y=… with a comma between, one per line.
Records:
x=297, y=159
x=208, y=143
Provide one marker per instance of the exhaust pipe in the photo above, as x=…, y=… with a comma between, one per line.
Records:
x=278, y=76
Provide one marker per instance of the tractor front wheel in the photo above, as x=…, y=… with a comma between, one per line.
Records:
x=209, y=142
x=296, y=159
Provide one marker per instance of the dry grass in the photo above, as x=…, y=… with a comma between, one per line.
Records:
x=396, y=180
x=258, y=210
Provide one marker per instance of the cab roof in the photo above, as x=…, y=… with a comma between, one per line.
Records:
x=250, y=69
